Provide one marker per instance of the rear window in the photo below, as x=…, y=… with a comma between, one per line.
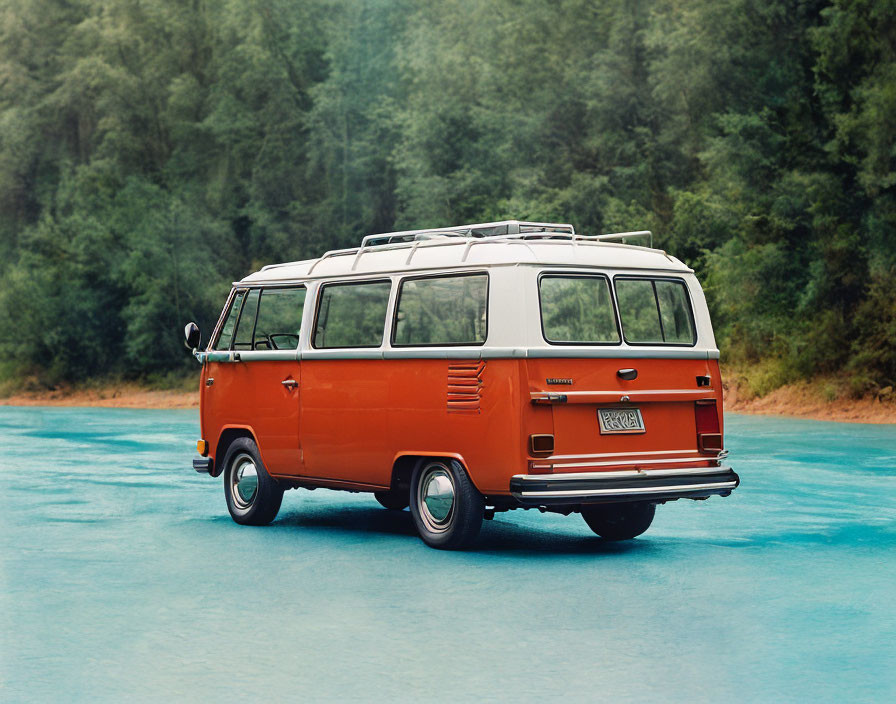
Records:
x=445, y=310
x=577, y=310
x=655, y=311
x=351, y=315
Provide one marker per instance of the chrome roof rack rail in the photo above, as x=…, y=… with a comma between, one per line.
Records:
x=483, y=229
x=506, y=231
x=331, y=253
x=619, y=236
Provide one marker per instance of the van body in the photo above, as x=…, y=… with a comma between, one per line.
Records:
x=465, y=371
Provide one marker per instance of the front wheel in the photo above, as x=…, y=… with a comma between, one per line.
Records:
x=253, y=497
x=446, y=507
x=621, y=521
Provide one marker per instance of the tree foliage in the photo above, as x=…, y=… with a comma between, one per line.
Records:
x=152, y=152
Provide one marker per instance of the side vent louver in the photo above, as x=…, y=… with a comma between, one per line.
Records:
x=465, y=386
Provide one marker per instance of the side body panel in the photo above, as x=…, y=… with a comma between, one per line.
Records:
x=358, y=416
x=250, y=395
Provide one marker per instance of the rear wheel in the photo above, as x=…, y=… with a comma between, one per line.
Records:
x=253, y=497
x=392, y=500
x=446, y=507
x=621, y=521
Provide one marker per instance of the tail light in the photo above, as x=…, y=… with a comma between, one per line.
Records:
x=709, y=435
x=541, y=445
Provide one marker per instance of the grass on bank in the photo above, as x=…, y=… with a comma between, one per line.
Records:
x=751, y=382
x=37, y=384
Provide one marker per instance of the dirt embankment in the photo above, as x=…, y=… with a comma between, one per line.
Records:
x=117, y=396
x=803, y=400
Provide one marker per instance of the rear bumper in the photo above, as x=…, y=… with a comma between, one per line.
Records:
x=626, y=485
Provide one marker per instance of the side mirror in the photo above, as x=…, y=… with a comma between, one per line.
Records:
x=192, y=336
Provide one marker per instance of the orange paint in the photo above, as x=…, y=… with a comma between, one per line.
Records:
x=349, y=420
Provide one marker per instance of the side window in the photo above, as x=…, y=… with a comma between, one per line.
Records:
x=655, y=311
x=279, y=318
x=351, y=315
x=446, y=310
x=577, y=309
x=246, y=324
x=226, y=335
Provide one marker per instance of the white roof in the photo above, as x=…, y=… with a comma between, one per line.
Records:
x=451, y=253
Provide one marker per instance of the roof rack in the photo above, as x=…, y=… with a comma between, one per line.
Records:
x=501, y=228
x=480, y=233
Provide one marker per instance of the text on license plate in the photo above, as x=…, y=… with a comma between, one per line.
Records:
x=620, y=420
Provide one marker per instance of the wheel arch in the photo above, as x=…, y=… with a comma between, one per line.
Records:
x=405, y=462
x=228, y=434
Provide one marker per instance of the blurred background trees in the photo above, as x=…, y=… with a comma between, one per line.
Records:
x=153, y=152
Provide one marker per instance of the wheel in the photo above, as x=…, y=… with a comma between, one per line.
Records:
x=446, y=507
x=253, y=497
x=621, y=521
x=392, y=500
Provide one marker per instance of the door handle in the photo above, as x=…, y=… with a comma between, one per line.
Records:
x=290, y=383
x=209, y=381
x=627, y=374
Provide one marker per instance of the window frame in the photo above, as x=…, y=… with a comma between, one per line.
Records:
x=219, y=328
x=653, y=280
x=277, y=287
x=319, y=297
x=579, y=275
x=451, y=275
x=239, y=319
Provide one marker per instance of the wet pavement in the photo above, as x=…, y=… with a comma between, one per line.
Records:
x=122, y=576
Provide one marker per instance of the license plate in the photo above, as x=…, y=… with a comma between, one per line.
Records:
x=620, y=420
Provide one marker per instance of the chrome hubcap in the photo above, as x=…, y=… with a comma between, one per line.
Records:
x=244, y=481
x=435, y=497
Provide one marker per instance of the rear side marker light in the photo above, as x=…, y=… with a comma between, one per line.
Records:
x=202, y=447
x=541, y=445
x=709, y=434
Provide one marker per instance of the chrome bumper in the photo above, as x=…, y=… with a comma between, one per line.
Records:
x=203, y=464
x=625, y=485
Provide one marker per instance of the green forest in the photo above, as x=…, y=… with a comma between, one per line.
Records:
x=153, y=151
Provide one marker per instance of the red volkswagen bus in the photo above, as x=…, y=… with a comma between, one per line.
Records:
x=465, y=371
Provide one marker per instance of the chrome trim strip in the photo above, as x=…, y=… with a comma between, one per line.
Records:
x=270, y=355
x=634, y=463
x=628, y=491
x=621, y=474
x=651, y=453
x=635, y=394
x=345, y=353
x=503, y=352
x=432, y=353
x=622, y=353
x=511, y=353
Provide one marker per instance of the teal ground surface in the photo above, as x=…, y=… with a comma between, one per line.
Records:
x=122, y=578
